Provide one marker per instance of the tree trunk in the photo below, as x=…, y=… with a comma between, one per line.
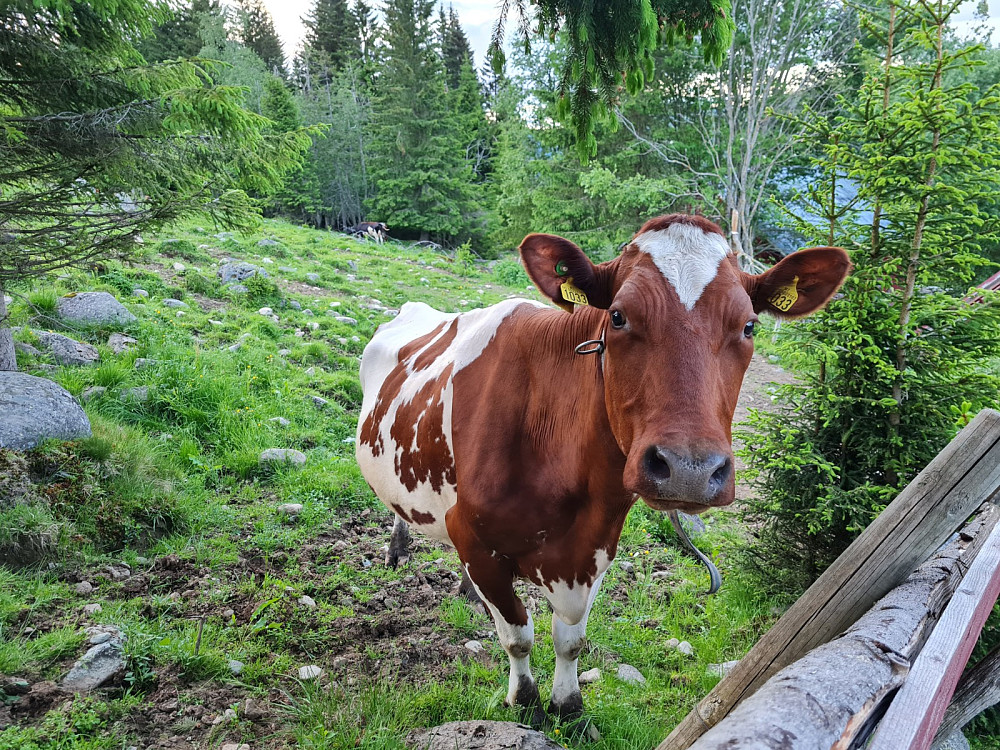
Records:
x=8, y=357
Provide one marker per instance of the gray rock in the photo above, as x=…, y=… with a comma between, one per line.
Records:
x=283, y=456
x=142, y=362
x=83, y=588
x=8, y=300
x=26, y=349
x=179, y=267
x=171, y=302
x=308, y=312
x=138, y=395
x=722, y=669
x=137, y=292
x=93, y=307
x=98, y=638
x=628, y=673
x=290, y=509
x=235, y=666
x=101, y=665
x=671, y=644
x=319, y=401
x=352, y=265
x=286, y=269
x=35, y=409
x=627, y=567
x=309, y=672
x=268, y=243
x=345, y=319
x=474, y=646
x=591, y=675
x=294, y=304
x=480, y=735
x=238, y=288
x=253, y=710
x=91, y=609
x=307, y=601
x=685, y=648
x=284, y=352
x=119, y=343
x=239, y=271
x=280, y=421
x=67, y=351
x=313, y=277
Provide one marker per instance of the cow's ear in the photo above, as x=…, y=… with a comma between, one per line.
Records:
x=801, y=283
x=553, y=262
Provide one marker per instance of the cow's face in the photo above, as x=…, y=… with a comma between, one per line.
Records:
x=678, y=321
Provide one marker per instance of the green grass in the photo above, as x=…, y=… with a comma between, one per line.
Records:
x=171, y=486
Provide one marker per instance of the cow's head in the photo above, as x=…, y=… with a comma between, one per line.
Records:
x=678, y=327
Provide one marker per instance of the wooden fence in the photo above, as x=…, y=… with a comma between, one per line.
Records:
x=874, y=649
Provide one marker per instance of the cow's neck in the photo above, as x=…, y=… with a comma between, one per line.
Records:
x=568, y=401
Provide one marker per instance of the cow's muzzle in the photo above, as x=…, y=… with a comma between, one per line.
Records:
x=704, y=479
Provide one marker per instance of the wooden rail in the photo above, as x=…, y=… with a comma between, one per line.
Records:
x=913, y=718
x=964, y=475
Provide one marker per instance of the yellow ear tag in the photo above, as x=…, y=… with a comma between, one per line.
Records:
x=785, y=297
x=573, y=294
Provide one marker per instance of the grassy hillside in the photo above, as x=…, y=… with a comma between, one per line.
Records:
x=181, y=533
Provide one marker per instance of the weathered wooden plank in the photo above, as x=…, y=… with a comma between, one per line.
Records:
x=914, y=715
x=916, y=523
x=978, y=690
x=832, y=696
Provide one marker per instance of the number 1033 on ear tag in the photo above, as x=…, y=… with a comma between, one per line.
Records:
x=785, y=296
x=573, y=294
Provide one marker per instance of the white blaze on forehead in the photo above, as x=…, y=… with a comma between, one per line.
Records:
x=687, y=256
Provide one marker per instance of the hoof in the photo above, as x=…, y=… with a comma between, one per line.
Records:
x=394, y=558
x=569, y=709
x=528, y=705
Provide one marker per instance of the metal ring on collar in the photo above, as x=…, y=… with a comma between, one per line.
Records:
x=596, y=346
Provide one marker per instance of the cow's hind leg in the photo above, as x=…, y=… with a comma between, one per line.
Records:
x=399, y=544
x=568, y=640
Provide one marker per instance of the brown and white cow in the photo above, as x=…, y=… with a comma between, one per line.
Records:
x=486, y=430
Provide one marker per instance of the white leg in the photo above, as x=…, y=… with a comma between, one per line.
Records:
x=568, y=641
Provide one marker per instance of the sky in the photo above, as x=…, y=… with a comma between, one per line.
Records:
x=478, y=16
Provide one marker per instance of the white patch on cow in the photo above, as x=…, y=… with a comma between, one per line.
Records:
x=476, y=330
x=687, y=256
x=571, y=601
x=517, y=641
x=568, y=640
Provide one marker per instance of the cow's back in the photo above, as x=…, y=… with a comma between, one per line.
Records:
x=404, y=440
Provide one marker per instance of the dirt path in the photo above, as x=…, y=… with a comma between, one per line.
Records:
x=756, y=394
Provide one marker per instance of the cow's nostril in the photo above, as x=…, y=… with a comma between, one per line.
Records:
x=721, y=475
x=658, y=463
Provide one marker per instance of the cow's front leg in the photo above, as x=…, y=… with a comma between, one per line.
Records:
x=569, y=636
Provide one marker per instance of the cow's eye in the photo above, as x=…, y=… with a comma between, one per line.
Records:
x=748, y=329
x=617, y=319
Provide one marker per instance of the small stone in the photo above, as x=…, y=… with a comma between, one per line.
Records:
x=722, y=669
x=310, y=672
x=685, y=648
x=179, y=266
x=660, y=575
x=91, y=609
x=228, y=613
x=628, y=673
x=365, y=562
x=319, y=401
x=297, y=459
x=284, y=352
x=313, y=325
x=627, y=567
x=290, y=509
x=84, y=588
x=345, y=319
x=265, y=311
x=137, y=395
x=307, y=601
x=119, y=343
x=294, y=304
x=238, y=288
x=313, y=277
x=280, y=421
x=340, y=546
x=142, y=362
x=180, y=314
x=671, y=644
x=286, y=269
x=140, y=293
x=591, y=675
x=308, y=312
x=98, y=638
x=474, y=646
x=235, y=666
x=119, y=571
x=171, y=302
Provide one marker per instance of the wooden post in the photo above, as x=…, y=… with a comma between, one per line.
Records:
x=830, y=698
x=913, y=717
x=959, y=479
x=978, y=690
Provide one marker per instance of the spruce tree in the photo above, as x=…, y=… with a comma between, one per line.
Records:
x=256, y=31
x=894, y=366
x=331, y=31
x=455, y=49
x=418, y=149
x=180, y=34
